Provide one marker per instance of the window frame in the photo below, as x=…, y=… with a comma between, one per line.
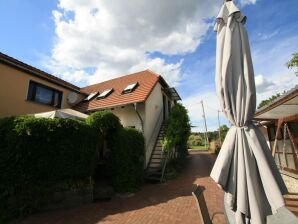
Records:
x=31, y=94
x=130, y=90
x=107, y=93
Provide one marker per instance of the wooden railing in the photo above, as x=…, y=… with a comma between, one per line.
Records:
x=165, y=160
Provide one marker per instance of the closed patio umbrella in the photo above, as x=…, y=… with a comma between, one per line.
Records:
x=244, y=168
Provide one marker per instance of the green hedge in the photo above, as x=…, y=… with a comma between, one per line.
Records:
x=127, y=160
x=126, y=154
x=38, y=153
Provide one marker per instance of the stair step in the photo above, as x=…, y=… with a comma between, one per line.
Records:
x=148, y=173
x=155, y=166
x=293, y=209
x=155, y=162
x=292, y=203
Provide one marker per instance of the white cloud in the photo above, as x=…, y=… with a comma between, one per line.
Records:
x=269, y=58
x=263, y=84
x=117, y=37
x=247, y=2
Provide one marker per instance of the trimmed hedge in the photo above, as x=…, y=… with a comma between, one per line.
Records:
x=43, y=159
x=127, y=160
x=126, y=151
x=39, y=157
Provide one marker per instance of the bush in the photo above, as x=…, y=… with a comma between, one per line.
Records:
x=178, y=130
x=127, y=161
x=126, y=151
x=37, y=154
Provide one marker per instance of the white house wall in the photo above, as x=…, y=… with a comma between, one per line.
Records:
x=153, y=109
x=128, y=115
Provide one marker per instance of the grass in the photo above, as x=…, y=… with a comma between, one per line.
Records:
x=198, y=147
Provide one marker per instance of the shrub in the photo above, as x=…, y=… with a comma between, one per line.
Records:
x=127, y=160
x=37, y=154
x=178, y=130
x=126, y=146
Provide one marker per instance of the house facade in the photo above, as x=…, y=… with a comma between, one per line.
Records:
x=26, y=90
x=142, y=100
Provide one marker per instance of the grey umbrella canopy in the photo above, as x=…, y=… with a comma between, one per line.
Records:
x=244, y=168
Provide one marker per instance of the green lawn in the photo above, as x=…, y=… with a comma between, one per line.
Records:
x=198, y=147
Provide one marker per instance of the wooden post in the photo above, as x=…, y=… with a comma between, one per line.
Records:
x=279, y=123
x=294, y=145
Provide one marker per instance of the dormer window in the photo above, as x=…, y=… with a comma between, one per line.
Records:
x=91, y=96
x=105, y=93
x=130, y=88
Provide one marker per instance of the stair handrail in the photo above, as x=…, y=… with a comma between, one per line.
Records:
x=165, y=162
x=155, y=131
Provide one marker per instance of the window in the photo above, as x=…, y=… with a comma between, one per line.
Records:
x=45, y=95
x=130, y=88
x=105, y=93
x=91, y=96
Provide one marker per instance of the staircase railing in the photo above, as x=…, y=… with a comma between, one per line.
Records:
x=154, y=135
x=165, y=162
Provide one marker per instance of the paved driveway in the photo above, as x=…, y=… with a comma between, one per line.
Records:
x=170, y=202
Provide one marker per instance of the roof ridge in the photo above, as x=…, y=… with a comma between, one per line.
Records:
x=122, y=76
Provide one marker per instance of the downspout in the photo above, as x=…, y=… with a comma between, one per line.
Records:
x=141, y=120
x=142, y=124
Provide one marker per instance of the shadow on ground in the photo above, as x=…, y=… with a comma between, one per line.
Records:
x=170, y=201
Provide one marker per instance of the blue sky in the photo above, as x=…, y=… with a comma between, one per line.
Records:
x=90, y=41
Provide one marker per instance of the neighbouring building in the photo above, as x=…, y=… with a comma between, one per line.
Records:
x=279, y=124
x=26, y=90
x=141, y=100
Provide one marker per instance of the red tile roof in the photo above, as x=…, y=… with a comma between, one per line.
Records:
x=146, y=80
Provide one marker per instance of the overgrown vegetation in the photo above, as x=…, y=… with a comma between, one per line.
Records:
x=177, y=131
x=126, y=151
x=40, y=159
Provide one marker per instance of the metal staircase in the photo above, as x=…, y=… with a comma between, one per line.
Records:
x=157, y=163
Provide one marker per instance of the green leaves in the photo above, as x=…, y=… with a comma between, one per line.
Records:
x=178, y=130
x=38, y=153
x=293, y=62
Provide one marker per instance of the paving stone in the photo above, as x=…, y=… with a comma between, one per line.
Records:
x=154, y=204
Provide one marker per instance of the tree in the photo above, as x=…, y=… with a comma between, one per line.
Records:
x=223, y=131
x=268, y=101
x=293, y=62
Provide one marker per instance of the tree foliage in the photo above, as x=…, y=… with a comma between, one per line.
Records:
x=293, y=63
x=126, y=151
x=269, y=100
x=198, y=138
x=178, y=130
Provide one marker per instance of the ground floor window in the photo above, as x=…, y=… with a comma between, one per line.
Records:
x=43, y=94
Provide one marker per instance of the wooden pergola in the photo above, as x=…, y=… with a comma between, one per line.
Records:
x=281, y=121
